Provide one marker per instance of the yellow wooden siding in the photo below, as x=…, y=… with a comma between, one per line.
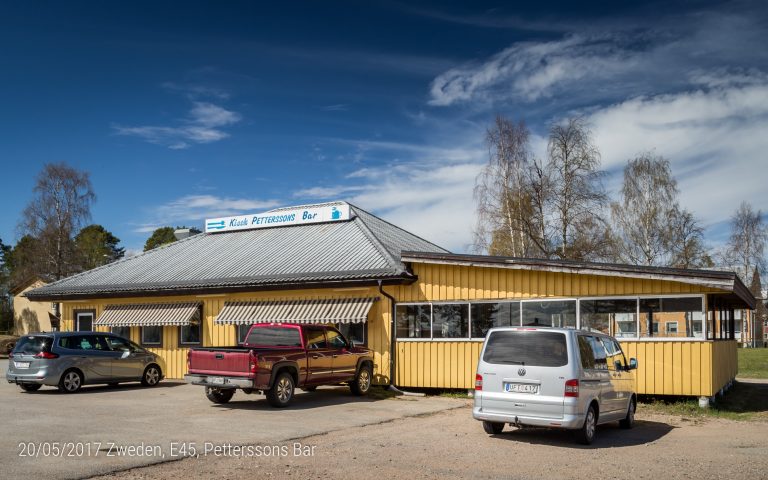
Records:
x=669, y=367
x=223, y=335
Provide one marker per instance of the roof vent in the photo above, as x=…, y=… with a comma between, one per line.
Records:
x=182, y=233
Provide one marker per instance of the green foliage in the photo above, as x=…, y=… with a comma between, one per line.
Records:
x=97, y=246
x=23, y=260
x=160, y=236
x=753, y=362
x=744, y=401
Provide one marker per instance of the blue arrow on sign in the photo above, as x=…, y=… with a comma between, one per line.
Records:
x=215, y=225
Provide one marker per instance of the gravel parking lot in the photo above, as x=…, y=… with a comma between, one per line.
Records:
x=81, y=428
x=449, y=444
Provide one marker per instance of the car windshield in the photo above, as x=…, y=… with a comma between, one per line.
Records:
x=534, y=348
x=32, y=345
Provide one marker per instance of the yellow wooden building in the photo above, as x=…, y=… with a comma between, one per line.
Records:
x=422, y=310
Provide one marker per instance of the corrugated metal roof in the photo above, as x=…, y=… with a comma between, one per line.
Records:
x=363, y=248
x=149, y=314
x=346, y=310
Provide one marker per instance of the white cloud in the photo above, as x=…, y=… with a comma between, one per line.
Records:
x=193, y=209
x=203, y=124
x=715, y=138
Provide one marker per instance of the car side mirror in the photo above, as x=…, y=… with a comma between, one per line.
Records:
x=126, y=354
x=632, y=364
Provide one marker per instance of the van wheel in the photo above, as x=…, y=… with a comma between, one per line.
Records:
x=362, y=382
x=629, y=421
x=217, y=395
x=493, y=428
x=30, y=387
x=281, y=393
x=586, y=434
x=71, y=381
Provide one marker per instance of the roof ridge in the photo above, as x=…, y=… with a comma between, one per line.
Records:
x=398, y=228
x=389, y=256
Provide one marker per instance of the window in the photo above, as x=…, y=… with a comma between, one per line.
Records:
x=315, y=338
x=560, y=313
x=275, y=337
x=119, y=344
x=671, y=328
x=335, y=340
x=681, y=316
x=413, y=321
x=541, y=349
x=450, y=321
x=616, y=317
x=124, y=332
x=84, y=320
x=84, y=342
x=190, y=334
x=592, y=352
x=242, y=332
x=354, y=332
x=152, y=335
x=614, y=355
x=489, y=315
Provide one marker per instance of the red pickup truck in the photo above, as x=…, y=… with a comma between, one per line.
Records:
x=276, y=358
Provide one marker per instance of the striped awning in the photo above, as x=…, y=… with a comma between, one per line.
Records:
x=338, y=310
x=149, y=314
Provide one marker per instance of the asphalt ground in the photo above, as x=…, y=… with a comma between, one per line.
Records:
x=101, y=429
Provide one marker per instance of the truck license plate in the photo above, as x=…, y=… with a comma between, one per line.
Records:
x=21, y=364
x=521, y=388
x=216, y=380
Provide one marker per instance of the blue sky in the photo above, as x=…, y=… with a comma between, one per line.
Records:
x=182, y=111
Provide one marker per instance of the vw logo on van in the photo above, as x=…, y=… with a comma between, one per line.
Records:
x=521, y=372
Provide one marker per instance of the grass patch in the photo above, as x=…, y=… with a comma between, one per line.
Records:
x=380, y=393
x=753, y=362
x=744, y=401
x=453, y=394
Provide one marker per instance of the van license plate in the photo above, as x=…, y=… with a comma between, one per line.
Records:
x=216, y=380
x=521, y=388
x=21, y=364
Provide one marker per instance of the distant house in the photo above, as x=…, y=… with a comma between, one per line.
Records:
x=31, y=316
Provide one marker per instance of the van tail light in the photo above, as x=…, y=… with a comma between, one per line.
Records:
x=572, y=388
x=46, y=355
x=478, y=382
x=252, y=364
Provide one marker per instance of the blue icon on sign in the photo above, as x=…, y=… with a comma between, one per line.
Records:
x=215, y=225
x=335, y=214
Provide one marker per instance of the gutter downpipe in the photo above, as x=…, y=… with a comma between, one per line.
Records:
x=392, y=338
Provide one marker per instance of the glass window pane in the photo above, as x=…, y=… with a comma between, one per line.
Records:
x=616, y=317
x=280, y=337
x=335, y=340
x=189, y=334
x=539, y=348
x=242, y=332
x=354, y=332
x=151, y=335
x=489, y=315
x=560, y=313
x=413, y=321
x=124, y=332
x=671, y=317
x=450, y=321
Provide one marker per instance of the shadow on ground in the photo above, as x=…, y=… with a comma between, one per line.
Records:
x=304, y=401
x=607, y=436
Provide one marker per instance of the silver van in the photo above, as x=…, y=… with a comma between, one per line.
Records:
x=555, y=378
x=69, y=360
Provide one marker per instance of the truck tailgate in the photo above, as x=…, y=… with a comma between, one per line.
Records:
x=220, y=362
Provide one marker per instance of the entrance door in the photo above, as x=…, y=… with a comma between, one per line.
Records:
x=84, y=321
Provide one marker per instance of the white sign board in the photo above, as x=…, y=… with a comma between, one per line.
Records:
x=298, y=216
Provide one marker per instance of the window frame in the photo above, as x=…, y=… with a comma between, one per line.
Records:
x=76, y=320
x=112, y=331
x=151, y=345
x=200, y=334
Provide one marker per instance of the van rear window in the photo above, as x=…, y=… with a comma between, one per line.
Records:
x=534, y=348
x=32, y=345
x=274, y=337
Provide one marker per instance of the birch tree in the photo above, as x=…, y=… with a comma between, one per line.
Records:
x=745, y=250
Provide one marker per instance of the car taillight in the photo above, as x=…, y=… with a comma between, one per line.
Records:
x=478, y=382
x=46, y=355
x=252, y=364
x=572, y=388
x=10, y=354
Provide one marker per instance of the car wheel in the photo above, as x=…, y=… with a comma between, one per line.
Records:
x=362, y=383
x=30, y=387
x=586, y=434
x=309, y=389
x=493, y=428
x=629, y=421
x=281, y=393
x=151, y=376
x=218, y=395
x=71, y=381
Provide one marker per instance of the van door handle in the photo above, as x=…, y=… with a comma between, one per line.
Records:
x=315, y=356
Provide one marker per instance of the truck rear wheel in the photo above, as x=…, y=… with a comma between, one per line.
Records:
x=218, y=395
x=281, y=393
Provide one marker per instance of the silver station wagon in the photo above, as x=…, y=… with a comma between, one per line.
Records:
x=69, y=360
x=555, y=378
